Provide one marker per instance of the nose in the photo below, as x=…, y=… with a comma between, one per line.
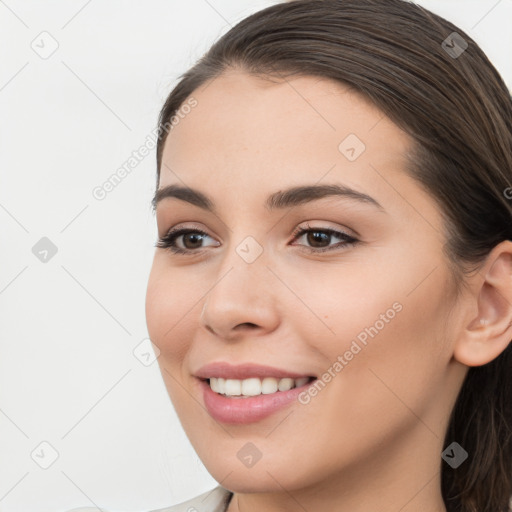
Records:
x=242, y=300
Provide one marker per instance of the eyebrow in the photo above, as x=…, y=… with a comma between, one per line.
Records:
x=281, y=199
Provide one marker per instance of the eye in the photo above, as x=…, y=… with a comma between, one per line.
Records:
x=318, y=237
x=192, y=239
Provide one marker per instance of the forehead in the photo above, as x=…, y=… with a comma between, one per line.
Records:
x=248, y=137
x=238, y=115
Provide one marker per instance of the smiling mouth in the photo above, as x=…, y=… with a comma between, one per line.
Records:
x=255, y=386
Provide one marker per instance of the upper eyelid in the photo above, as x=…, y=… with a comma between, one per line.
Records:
x=345, y=229
x=341, y=230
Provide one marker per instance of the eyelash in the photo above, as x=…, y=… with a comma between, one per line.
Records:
x=168, y=241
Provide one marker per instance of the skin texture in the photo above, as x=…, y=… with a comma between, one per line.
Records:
x=372, y=438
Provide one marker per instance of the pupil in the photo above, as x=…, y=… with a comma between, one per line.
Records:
x=192, y=235
x=313, y=237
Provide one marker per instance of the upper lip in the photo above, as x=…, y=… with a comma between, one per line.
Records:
x=244, y=371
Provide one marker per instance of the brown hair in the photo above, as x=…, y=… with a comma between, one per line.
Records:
x=443, y=91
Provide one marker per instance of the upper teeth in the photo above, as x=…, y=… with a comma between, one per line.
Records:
x=254, y=386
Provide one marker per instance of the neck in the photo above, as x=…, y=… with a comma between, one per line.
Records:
x=421, y=498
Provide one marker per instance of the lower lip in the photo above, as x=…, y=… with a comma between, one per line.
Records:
x=240, y=411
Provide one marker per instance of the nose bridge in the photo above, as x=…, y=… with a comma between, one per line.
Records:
x=241, y=292
x=243, y=273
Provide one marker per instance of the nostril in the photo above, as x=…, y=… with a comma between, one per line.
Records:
x=246, y=324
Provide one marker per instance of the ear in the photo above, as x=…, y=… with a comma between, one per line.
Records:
x=489, y=333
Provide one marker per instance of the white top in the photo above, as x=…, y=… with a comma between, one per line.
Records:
x=216, y=500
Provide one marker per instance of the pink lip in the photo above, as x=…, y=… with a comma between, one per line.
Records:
x=244, y=371
x=240, y=411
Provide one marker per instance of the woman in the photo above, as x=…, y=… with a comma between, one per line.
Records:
x=331, y=292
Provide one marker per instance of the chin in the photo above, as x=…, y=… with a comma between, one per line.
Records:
x=262, y=477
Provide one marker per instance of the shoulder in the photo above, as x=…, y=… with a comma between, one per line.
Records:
x=215, y=500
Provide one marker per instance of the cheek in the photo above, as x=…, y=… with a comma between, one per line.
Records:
x=170, y=307
x=333, y=306
x=387, y=320
x=169, y=314
x=369, y=397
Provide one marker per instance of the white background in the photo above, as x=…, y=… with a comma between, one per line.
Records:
x=68, y=327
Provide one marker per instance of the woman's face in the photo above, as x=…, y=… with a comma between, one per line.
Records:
x=368, y=319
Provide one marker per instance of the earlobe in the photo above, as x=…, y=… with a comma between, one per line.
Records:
x=489, y=333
